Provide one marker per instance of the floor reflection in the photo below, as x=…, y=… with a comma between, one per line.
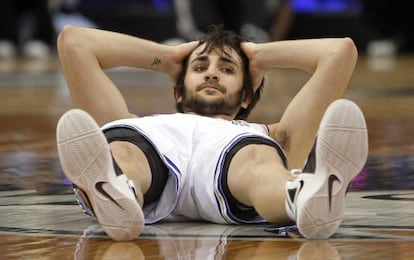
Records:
x=219, y=248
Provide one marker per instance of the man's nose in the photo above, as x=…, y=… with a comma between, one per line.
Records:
x=211, y=74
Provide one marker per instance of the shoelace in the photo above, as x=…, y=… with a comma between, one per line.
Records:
x=295, y=172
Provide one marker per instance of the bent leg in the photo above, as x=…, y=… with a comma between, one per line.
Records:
x=139, y=160
x=134, y=165
x=318, y=198
x=315, y=200
x=257, y=177
x=86, y=160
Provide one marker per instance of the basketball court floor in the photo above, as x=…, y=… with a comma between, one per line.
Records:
x=39, y=218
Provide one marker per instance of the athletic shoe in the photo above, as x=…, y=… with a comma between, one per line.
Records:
x=86, y=160
x=84, y=202
x=316, y=201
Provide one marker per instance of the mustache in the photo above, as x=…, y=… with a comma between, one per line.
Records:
x=210, y=84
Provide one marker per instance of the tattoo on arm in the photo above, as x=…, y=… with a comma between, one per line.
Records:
x=156, y=61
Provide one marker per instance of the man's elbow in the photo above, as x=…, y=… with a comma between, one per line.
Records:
x=348, y=49
x=67, y=39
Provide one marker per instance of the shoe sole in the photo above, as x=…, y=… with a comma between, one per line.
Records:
x=86, y=160
x=341, y=152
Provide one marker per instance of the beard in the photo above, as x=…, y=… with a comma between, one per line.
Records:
x=201, y=105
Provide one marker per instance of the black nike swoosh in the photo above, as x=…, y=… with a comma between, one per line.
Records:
x=293, y=192
x=100, y=189
x=331, y=180
x=301, y=186
x=311, y=162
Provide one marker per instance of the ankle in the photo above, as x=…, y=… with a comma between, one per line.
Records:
x=133, y=163
x=137, y=192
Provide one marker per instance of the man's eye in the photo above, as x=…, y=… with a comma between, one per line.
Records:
x=227, y=70
x=199, y=68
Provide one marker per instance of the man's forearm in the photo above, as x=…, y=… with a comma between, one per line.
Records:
x=304, y=54
x=111, y=49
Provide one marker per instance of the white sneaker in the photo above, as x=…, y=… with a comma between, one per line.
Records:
x=86, y=160
x=317, y=200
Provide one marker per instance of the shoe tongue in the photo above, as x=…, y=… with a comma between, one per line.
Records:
x=311, y=162
x=123, y=177
x=117, y=169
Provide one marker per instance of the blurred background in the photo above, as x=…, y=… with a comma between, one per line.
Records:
x=378, y=27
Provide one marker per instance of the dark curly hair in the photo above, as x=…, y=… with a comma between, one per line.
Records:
x=218, y=38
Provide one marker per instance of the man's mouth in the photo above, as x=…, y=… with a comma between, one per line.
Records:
x=211, y=87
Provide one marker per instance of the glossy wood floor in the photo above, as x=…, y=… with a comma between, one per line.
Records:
x=39, y=218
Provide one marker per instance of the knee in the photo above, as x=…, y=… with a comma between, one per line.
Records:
x=121, y=150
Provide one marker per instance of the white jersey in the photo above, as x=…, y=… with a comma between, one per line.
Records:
x=193, y=148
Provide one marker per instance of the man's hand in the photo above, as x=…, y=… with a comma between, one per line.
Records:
x=180, y=52
x=257, y=72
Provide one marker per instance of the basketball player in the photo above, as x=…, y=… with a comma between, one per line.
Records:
x=205, y=163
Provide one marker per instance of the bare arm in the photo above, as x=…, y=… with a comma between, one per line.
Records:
x=85, y=53
x=331, y=63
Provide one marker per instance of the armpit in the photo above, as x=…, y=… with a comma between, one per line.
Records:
x=284, y=139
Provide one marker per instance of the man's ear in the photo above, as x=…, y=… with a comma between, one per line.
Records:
x=178, y=96
x=245, y=100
